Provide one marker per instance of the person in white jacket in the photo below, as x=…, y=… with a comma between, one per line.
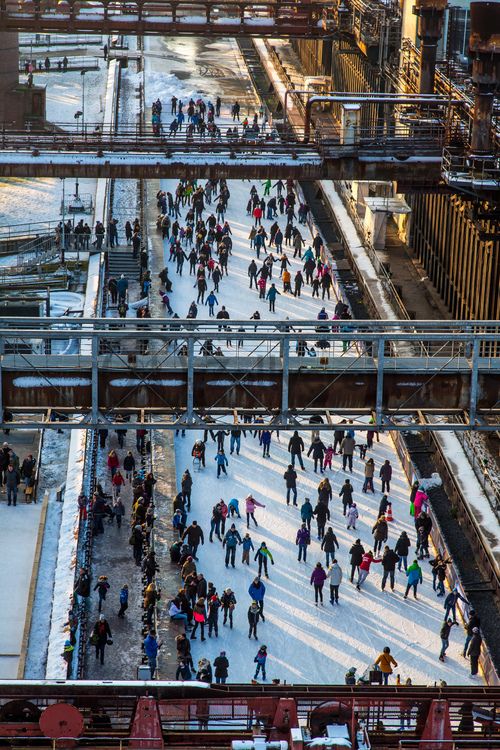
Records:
x=352, y=516
x=334, y=576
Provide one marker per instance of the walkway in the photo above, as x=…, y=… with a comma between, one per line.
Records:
x=18, y=540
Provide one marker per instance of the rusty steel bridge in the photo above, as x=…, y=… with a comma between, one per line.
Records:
x=90, y=372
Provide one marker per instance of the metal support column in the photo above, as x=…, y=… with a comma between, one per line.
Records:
x=95, y=379
x=474, y=382
x=285, y=361
x=380, y=380
x=190, y=381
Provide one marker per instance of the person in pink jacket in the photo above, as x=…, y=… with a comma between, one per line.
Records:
x=420, y=499
x=318, y=578
x=250, y=504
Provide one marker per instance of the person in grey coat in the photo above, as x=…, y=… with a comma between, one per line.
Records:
x=334, y=576
x=12, y=480
x=474, y=651
x=347, y=447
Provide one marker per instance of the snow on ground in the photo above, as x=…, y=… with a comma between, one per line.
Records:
x=324, y=642
x=18, y=537
x=66, y=556
x=40, y=199
x=305, y=644
x=55, y=451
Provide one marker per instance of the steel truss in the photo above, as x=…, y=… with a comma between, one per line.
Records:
x=398, y=372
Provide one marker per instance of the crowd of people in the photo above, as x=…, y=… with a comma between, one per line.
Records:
x=126, y=474
x=198, y=602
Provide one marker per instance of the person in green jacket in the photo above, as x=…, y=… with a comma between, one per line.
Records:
x=262, y=555
x=414, y=574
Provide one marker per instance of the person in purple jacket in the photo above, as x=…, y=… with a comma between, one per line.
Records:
x=318, y=578
x=302, y=540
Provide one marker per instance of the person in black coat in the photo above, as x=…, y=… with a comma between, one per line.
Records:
x=474, y=622
x=82, y=583
x=389, y=562
x=295, y=448
x=356, y=552
x=322, y=515
x=346, y=495
x=401, y=549
x=221, y=665
x=317, y=449
x=328, y=545
x=474, y=651
x=290, y=477
x=194, y=536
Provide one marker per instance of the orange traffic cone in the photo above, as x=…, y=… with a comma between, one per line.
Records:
x=388, y=513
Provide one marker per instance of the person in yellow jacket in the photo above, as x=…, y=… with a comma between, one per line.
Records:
x=286, y=281
x=385, y=661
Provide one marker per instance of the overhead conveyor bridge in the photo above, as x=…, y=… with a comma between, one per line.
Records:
x=91, y=372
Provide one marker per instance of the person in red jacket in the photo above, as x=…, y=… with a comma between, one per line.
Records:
x=364, y=568
x=318, y=578
x=117, y=483
x=257, y=215
x=113, y=462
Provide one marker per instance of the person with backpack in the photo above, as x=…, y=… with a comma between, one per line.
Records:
x=386, y=662
x=101, y=634
x=260, y=660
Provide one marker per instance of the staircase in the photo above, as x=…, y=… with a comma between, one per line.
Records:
x=121, y=260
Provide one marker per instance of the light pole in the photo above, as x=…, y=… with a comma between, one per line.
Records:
x=82, y=73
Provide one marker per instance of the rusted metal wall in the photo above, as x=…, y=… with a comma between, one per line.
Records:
x=311, y=389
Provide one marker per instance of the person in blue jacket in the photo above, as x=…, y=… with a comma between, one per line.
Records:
x=450, y=604
x=123, y=600
x=265, y=441
x=306, y=512
x=151, y=647
x=260, y=660
x=222, y=462
x=257, y=591
x=211, y=301
x=234, y=507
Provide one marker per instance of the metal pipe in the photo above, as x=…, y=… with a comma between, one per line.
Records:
x=429, y=30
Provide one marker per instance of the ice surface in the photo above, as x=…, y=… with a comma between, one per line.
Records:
x=66, y=557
